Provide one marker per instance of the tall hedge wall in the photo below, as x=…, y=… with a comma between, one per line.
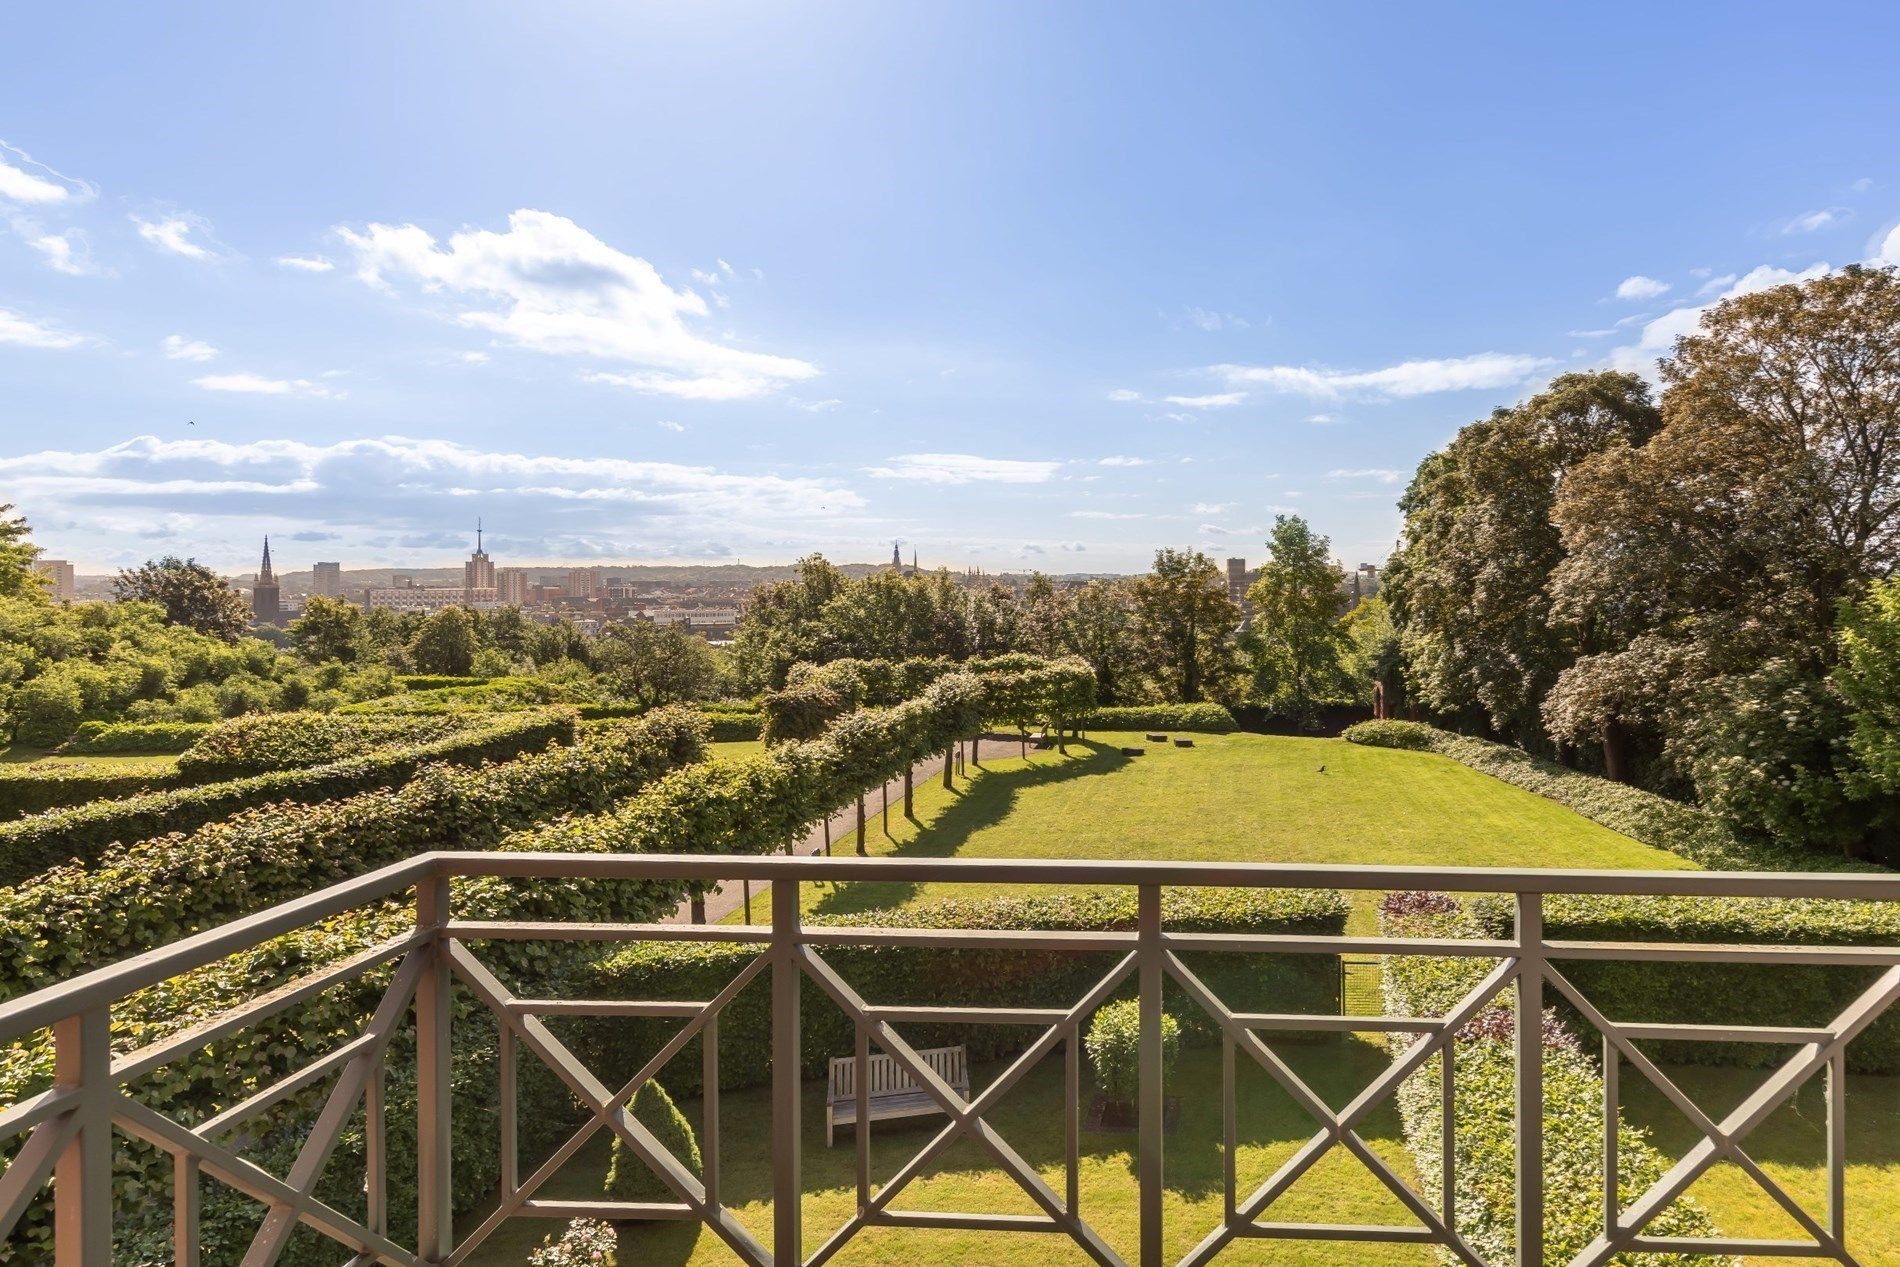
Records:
x=260, y=742
x=146, y=894
x=50, y=785
x=1204, y=718
x=1485, y=1069
x=85, y=832
x=100, y=738
x=1015, y=978
x=1720, y=994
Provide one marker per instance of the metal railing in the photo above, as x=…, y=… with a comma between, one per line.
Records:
x=68, y=1128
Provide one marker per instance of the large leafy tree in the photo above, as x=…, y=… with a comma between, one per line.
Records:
x=1296, y=639
x=1095, y=625
x=1184, y=625
x=331, y=629
x=1472, y=589
x=17, y=553
x=446, y=643
x=1726, y=546
x=1869, y=682
x=779, y=626
x=650, y=664
x=191, y=594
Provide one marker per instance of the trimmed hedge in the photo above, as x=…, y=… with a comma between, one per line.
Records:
x=101, y=738
x=32, y=845
x=1486, y=1111
x=257, y=743
x=1724, y=994
x=1204, y=718
x=436, y=681
x=50, y=785
x=155, y=891
x=894, y=975
x=629, y=1178
x=1681, y=829
x=1113, y=1042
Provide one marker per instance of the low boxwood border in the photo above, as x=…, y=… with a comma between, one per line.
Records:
x=1203, y=718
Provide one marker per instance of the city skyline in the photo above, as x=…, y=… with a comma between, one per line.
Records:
x=905, y=275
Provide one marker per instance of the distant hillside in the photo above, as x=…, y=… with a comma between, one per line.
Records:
x=705, y=575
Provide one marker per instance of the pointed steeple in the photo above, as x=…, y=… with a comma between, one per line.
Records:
x=897, y=558
x=263, y=571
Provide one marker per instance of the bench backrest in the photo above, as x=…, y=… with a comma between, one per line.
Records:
x=887, y=1077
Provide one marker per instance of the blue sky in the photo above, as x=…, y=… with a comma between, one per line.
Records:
x=1042, y=285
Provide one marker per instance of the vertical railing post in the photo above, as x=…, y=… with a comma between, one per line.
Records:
x=1153, y=1105
x=435, y=1229
x=82, y=1177
x=1530, y=1080
x=787, y=1086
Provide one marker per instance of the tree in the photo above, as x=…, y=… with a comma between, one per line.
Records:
x=191, y=594
x=650, y=665
x=1869, y=683
x=1096, y=626
x=445, y=643
x=1373, y=654
x=17, y=554
x=1296, y=638
x=330, y=629
x=1184, y=624
x=1471, y=589
x=779, y=625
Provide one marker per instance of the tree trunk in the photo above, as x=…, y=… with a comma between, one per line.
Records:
x=949, y=755
x=699, y=908
x=827, y=834
x=1615, y=752
x=861, y=825
x=909, y=810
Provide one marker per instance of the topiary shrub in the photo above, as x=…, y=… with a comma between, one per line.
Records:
x=629, y=1178
x=1391, y=734
x=1113, y=1043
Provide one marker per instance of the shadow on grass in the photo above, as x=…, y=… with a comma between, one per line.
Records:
x=979, y=803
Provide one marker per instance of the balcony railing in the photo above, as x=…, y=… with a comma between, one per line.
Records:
x=69, y=1128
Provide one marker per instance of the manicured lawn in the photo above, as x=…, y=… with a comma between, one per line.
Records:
x=1339, y=1189
x=1253, y=797
x=733, y=749
x=19, y=755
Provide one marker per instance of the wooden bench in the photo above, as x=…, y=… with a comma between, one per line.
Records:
x=892, y=1091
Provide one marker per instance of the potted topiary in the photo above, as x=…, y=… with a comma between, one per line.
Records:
x=629, y=1178
x=1113, y=1043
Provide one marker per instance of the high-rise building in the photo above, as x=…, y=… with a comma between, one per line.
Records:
x=511, y=586
x=60, y=582
x=267, y=606
x=326, y=580
x=1237, y=580
x=583, y=582
x=478, y=574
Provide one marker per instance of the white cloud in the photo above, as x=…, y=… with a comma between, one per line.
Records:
x=1890, y=249
x=667, y=424
x=1209, y=508
x=1106, y=514
x=259, y=385
x=1122, y=461
x=25, y=332
x=814, y=406
x=41, y=187
x=1862, y=185
x=393, y=495
x=306, y=263
x=1214, y=530
x=1659, y=336
x=1640, y=288
x=1814, y=221
x=66, y=252
x=1384, y=475
x=1716, y=284
x=1123, y=395
x=1591, y=334
x=1210, y=321
x=1324, y=420
x=474, y=358
x=1485, y=370
x=179, y=348
x=963, y=468
x=1215, y=400
x=173, y=235
x=551, y=286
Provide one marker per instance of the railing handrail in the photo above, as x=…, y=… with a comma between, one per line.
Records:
x=104, y=985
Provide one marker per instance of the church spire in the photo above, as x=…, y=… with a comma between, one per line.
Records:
x=263, y=571
x=897, y=558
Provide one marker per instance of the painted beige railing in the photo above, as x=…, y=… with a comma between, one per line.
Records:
x=68, y=1128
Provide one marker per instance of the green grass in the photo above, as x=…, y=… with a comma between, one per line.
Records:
x=20, y=755
x=733, y=749
x=1339, y=1189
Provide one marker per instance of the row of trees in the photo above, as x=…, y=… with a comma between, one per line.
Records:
x=1692, y=592
x=1173, y=634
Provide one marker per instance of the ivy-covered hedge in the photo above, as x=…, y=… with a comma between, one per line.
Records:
x=1486, y=1110
x=260, y=742
x=895, y=975
x=1724, y=994
x=1203, y=718
x=84, y=832
x=103, y=738
x=48, y=785
x=1655, y=820
x=155, y=891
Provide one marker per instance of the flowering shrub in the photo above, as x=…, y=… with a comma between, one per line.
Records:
x=1412, y=902
x=585, y=1243
x=1486, y=1114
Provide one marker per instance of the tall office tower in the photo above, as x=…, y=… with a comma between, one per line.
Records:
x=60, y=582
x=583, y=582
x=326, y=580
x=1237, y=580
x=511, y=586
x=478, y=574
